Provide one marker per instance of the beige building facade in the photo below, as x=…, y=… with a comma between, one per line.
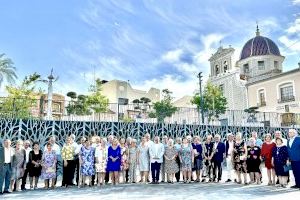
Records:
x=116, y=89
x=278, y=93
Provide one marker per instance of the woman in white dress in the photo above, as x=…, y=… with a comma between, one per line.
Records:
x=144, y=160
x=101, y=161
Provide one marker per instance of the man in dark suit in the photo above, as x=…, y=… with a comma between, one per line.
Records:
x=218, y=157
x=1, y=165
x=294, y=155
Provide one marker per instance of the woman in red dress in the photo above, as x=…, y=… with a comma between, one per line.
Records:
x=266, y=154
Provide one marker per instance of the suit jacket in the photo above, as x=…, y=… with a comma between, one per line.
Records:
x=156, y=152
x=219, y=152
x=294, y=150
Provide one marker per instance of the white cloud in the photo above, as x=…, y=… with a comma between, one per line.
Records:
x=296, y=2
x=294, y=27
x=172, y=56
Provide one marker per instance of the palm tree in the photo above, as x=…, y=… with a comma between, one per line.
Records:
x=7, y=70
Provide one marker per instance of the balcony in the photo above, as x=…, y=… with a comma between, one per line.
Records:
x=286, y=99
x=262, y=103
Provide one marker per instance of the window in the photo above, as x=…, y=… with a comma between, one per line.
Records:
x=217, y=69
x=286, y=92
x=262, y=97
x=275, y=64
x=56, y=107
x=246, y=68
x=222, y=88
x=225, y=66
x=261, y=65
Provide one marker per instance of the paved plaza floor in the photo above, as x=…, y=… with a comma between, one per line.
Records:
x=178, y=191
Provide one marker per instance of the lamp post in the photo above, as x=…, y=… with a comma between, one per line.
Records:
x=201, y=98
x=50, y=80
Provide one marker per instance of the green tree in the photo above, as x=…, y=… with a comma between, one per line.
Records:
x=163, y=108
x=7, y=70
x=214, y=102
x=96, y=101
x=21, y=99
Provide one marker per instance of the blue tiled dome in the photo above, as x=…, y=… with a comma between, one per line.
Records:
x=259, y=46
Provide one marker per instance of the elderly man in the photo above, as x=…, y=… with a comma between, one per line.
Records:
x=156, y=151
x=278, y=134
x=6, y=169
x=218, y=156
x=294, y=154
x=229, y=144
x=258, y=141
x=27, y=151
x=1, y=165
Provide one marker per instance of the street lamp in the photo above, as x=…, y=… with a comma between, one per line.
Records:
x=50, y=80
x=201, y=97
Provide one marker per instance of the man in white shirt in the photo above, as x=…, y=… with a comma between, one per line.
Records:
x=27, y=151
x=156, y=151
x=229, y=144
x=6, y=170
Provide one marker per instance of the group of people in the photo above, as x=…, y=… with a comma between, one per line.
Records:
x=97, y=160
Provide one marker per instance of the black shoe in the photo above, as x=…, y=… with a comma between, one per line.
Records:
x=152, y=182
x=23, y=189
x=1, y=193
x=295, y=187
x=6, y=192
x=228, y=180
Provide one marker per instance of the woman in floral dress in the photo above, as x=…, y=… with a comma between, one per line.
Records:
x=87, y=160
x=124, y=161
x=18, y=165
x=101, y=161
x=171, y=166
x=239, y=158
x=144, y=160
x=49, y=160
x=132, y=160
x=186, y=156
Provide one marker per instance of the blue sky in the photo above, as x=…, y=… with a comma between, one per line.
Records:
x=151, y=43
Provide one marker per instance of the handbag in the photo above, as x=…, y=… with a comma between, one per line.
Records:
x=287, y=168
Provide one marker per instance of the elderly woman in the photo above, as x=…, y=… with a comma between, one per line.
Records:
x=87, y=160
x=124, y=161
x=171, y=166
x=239, y=158
x=18, y=165
x=208, y=154
x=35, y=167
x=186, y=156
x=101, y=161
x=253, y=161
x=178, y=148
x=144, y=160
x=49, y=161
x=266, y=154
x=199, y=154
x=67, y=154
x=114, y=161
x=133, y=161
x=280, y=160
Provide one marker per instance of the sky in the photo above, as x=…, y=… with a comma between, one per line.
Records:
x=150, y=43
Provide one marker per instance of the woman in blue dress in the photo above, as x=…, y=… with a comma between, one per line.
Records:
x=114, y=161
x=87, y=162
x=279, y=160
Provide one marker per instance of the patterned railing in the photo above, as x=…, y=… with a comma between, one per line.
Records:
x=139, y=113
x=41, y=130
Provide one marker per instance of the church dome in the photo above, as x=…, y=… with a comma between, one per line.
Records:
x=259, y=46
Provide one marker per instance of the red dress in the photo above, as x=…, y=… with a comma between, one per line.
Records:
x=266, y=152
